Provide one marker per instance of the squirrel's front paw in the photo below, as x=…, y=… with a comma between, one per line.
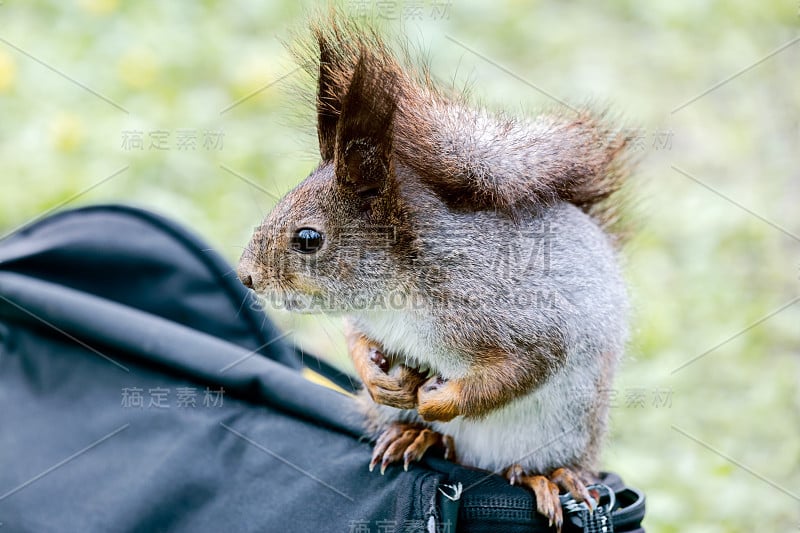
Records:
x=387, y=381
x=390, y=384
x=437, y=399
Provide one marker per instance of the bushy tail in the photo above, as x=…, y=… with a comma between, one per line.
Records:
x=471, y=157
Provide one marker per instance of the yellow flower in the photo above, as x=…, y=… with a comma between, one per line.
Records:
x=138, y=68
x=66, y=132
x=99, y=7
x=8, y=71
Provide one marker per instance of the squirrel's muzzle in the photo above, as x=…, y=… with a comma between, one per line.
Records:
x=247, y=273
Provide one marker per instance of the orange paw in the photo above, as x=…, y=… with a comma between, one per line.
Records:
x=408, y=442
x=390, y=384
x=437, y=400
x=546, y=490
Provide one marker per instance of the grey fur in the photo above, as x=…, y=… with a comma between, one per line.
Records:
x=452, y=236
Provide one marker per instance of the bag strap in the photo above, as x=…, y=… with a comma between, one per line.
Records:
x=478, y=501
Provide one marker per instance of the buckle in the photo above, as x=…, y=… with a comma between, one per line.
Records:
x=579, y=514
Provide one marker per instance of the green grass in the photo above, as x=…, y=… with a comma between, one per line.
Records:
x=701, y=268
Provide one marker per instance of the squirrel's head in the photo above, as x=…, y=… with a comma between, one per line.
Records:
x=333, y=242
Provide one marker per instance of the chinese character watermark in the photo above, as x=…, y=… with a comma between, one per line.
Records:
x=400, y=9
x=629, y=397
x=213, y=398
x=159, y=398
x=181, y=140
x=640, y=140
x=398, y=526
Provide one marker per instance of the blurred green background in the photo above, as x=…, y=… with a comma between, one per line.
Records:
x=187, y=108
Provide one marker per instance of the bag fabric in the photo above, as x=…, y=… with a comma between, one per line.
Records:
x=141, y=389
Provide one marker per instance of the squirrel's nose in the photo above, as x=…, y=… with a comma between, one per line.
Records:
x=247, y=280
x=247, y=276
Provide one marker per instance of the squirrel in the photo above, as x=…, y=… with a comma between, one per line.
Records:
x=474, y=258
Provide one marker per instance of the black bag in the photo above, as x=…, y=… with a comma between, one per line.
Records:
x=141, y=390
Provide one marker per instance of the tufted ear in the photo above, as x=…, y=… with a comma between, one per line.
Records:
x=329, y=105
x=363, y=155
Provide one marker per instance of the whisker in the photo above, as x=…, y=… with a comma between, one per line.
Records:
x=241, y=306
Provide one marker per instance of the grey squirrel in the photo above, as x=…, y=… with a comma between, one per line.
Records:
x=472, y=258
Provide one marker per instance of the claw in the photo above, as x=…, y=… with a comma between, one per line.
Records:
x=409, y=443
x=569, y=481
x=546, y=491
x=375, y=459
x=514, y=474
x=383, y=443
x=380, y=360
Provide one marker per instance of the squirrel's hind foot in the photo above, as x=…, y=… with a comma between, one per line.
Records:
x=547, y=488
x=408, y=442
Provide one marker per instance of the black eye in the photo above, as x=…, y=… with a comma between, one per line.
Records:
x=306, y=241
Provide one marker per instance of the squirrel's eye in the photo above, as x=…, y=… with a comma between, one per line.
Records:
x=306, y=240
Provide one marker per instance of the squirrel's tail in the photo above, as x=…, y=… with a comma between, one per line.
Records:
x=470, y=156
x=512, y=164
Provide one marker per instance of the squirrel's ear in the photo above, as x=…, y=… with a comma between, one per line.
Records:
x=329, y=105
x=363, y=155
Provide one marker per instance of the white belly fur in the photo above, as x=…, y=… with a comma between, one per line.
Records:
x=410, y=336
x=532, y=431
